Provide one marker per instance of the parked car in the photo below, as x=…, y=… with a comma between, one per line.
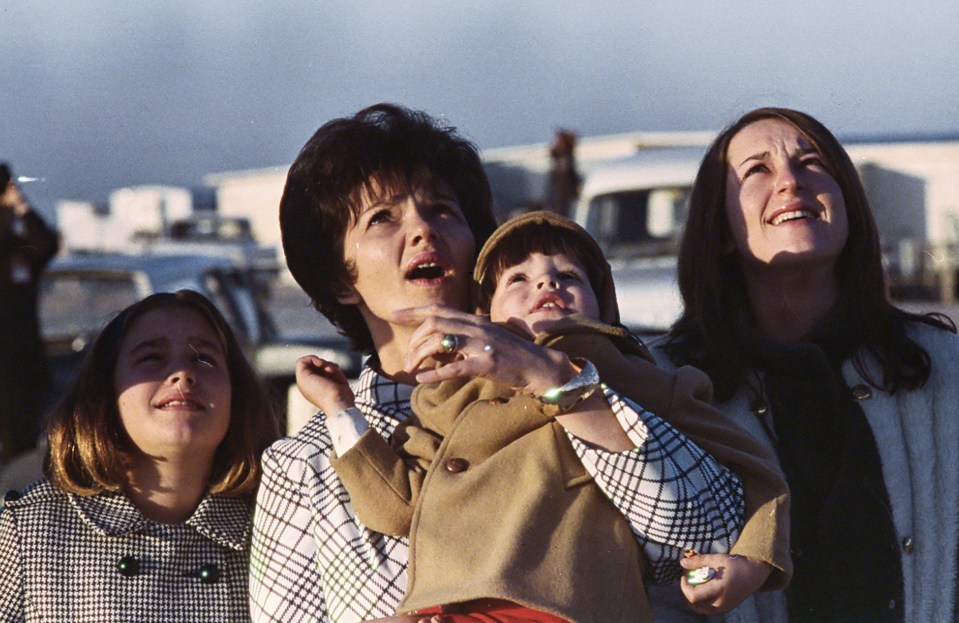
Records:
x=648, y=294
x=635, y=207
x=81, y=292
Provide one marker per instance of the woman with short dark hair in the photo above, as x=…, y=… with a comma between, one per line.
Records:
x=382, y=217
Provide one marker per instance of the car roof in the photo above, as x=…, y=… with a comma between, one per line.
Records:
x=159, y=267
x=649, y=168
x=162, y=271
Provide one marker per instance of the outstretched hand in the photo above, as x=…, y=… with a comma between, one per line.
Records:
x=323, y=384
x=481, y=348
x=737, y=577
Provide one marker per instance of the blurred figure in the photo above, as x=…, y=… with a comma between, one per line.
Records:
x=27, y=243
x=564, y=179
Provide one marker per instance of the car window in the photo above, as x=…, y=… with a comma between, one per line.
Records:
x=227, y=293
x=72, y=305
x=643, y=222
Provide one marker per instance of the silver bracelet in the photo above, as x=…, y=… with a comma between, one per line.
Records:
x=559, y=400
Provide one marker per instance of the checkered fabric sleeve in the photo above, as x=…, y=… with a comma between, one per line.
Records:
x=11, y=581
x=285, y=583
x=673, y=494
x=311, y=559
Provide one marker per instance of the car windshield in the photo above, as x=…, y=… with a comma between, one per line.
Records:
x=638, y=223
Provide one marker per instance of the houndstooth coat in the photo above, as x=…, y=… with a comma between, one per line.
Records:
x=65, y=557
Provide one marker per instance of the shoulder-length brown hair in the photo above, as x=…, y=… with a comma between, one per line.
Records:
x=713, y=286
x=89, y=452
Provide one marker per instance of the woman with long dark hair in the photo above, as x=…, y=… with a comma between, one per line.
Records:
x=786, y=309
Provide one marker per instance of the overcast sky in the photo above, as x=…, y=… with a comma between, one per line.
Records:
x=98, y=94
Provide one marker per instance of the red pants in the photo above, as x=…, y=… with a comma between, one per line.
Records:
x=491, y=611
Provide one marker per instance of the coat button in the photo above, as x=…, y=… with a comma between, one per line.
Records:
x=457, y=465
x=908, y=545
x=128, y=566
x=497, y=401
x=892, y=604
x=861, y=392
x=11, y=496
x=759, y=407
x=209, y=574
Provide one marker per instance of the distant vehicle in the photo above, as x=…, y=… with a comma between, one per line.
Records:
x=211, y=227
x=635, y=207
x=212, y=234
x=81, y=292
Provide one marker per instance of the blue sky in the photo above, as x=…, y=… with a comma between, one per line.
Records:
x=100, y=94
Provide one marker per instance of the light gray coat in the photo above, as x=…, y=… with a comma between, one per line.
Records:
x=917, y=433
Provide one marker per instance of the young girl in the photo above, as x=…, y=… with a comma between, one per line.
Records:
x=485, y=487
x=145, y=510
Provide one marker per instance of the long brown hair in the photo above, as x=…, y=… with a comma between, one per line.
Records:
x=713, y=286
x=88, y=449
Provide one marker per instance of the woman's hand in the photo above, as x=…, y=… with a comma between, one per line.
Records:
x=737, y=577
x=482, y=349
x=488, y=350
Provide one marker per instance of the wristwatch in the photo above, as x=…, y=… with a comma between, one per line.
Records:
x=559, y=400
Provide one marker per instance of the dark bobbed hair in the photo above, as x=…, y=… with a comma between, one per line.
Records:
x=383, y=146
x=89, y=452
x=713, y=286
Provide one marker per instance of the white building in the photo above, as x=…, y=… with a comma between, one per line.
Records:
x=133, y=214
x=913, y=187
x=255, y=195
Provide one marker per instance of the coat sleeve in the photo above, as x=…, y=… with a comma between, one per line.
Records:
x=384, y=480
x=682, y=398
x=285, y=581
x=765, y=534
x=674, y=496
x=11, y=571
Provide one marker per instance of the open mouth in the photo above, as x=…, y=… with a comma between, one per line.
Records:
x=549, y=303
x=792, y=215
x=426, y=267
x=180, y=403
x=428, y=270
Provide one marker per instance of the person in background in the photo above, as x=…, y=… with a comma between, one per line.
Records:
x=564, y=179
x=780, y=270
x=381, y=216
x=27, y=244
x=145, y=513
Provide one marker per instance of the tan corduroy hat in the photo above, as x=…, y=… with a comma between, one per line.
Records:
x=512, y=233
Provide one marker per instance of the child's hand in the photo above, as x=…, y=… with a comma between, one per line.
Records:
x=736, y=578
x=323, y=384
